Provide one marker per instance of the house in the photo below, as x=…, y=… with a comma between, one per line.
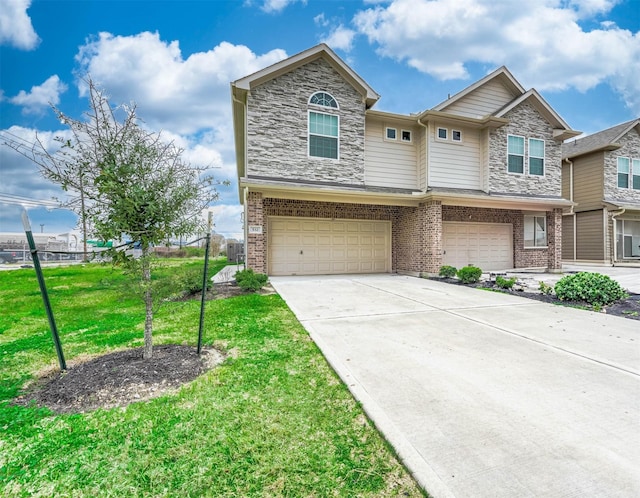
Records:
x=601, y=174
x=331, y=185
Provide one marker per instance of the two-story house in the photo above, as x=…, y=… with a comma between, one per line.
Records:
x=601, y=174
x=330, y=185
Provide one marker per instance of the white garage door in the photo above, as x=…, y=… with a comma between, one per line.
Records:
x=485, y=245
x=302, y=246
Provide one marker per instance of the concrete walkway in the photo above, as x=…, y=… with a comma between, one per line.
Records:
x=483, y=394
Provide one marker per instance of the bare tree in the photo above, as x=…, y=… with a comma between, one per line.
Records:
x=129, y=184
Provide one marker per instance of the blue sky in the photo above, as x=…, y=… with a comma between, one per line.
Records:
x=175, y=59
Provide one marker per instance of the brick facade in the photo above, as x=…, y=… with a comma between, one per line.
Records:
x=416, y=234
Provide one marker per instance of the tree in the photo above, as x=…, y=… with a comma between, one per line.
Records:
x=131, y=185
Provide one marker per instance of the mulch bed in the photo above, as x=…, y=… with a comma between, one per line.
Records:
x=120, y=378
x=626, y=308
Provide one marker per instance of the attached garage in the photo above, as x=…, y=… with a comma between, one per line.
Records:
x=310, y=246
x=486, y=245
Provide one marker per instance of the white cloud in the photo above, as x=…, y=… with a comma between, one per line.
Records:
x=340, y=38
x=40, y=97
x=541, y=41
x=321, y=20
x=15, y=25
x=279, y=5
x=183, y=95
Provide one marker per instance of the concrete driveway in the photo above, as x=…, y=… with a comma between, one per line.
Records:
x=483, y=394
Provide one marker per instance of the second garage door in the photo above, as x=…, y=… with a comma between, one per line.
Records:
x=305, y=246
x=485, y=245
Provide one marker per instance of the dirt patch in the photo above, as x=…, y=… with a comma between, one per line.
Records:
x=227, y=289
x=120, y=378
x=626, y=308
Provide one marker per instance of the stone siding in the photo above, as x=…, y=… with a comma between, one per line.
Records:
x=630, y=148
x=277, y=126
x=525, y=121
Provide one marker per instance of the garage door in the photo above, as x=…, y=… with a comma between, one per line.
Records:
x=301, y=246
x=486, y=245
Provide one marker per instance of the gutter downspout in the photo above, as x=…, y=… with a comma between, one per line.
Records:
x=615, y=235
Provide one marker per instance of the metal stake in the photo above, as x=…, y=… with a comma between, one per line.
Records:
x=43, y=289
x=204, y=280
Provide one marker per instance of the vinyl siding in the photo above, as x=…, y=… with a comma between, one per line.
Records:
x=566, y=181
x=590, y=236
x=455, y=165
x=422, y=158
x=390, y=163
x=588, y=183
x=567, y=237
x=484, y=100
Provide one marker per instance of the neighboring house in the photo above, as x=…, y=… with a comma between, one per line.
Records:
x=330, y=185
x=601, y=174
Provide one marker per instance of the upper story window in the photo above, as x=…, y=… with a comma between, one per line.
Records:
x=442, y=133
x=456, y=135
x=406, y=136
x=323, y=99
x=629, y=173
x=391, y=133
x=515, y=154
x=536, y=157
x=323, y=127
x=323, y=135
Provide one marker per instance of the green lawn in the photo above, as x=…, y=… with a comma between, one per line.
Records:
x=273, y=420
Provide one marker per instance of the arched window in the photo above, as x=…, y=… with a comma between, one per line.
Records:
x=323, y=127
x=323, y=99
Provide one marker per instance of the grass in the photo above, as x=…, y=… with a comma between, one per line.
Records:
x=273, y=420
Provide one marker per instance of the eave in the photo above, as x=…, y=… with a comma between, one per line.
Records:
x=453, y=119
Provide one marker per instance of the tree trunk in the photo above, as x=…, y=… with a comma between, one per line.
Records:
x=148, y=304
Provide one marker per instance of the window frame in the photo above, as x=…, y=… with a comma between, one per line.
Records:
x=453, y=135
x=523, y=155
x=337, y=106
x=533, y=218
x=402, y=140
x=543, y=158
x=309, y=134
x=628, y=173
x=386, y=133
x=446, y=133
x=635, y=174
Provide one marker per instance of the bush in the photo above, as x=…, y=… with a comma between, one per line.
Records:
x=505, y=283
x=593, y=288
x=248, y=280
x=469, y=274
x=448, y=271
x=545, y=289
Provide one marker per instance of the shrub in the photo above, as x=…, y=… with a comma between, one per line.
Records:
x=593, y=288
x=545, y=289
x=248, y=280
x=469, y=274
x=448, y=271
x=505, y=283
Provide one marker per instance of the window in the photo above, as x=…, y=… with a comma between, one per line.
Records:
x=635, y=182
x=535, y=231
x=515, y=153
x=456, y=135
x=442, y=133
x=536, y=157
x=323, y=99
x=623, y=172
x=406, y=136
x=323, y=135
x=392, y=134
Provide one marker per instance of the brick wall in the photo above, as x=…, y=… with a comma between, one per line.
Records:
x=256, y=243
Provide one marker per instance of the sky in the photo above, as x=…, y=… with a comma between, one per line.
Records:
x=176, y=58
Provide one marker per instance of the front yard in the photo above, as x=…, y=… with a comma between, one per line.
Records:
x=272, y=420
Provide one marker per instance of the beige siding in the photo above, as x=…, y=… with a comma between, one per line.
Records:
x=567, y=237
x=422, y=158
x=566, y=181
x=390, y=163
x=455, y=165
x=590, y=236
x=588, y=185
x=484, y=100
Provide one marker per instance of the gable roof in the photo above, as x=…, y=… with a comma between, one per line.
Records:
x=561, y=130
x=502, y=74
x=319, y=51
x=600, y=141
